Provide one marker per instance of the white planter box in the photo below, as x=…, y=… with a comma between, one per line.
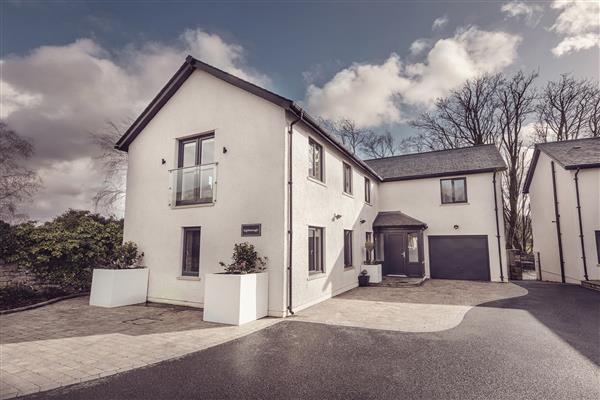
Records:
x=236, y=299
x=374, y=271
x=119, y=287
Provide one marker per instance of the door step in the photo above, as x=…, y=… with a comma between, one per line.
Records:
x=594, y=284
x=399, y=282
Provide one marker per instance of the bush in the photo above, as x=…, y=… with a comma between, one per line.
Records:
x=245, y=260
x=66, y=250
x=20, y=295
x=7, y=241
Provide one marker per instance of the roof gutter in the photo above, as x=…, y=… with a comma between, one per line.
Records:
x=498, y=226
x=290, y=211
x=557, y=221
x=576, y=178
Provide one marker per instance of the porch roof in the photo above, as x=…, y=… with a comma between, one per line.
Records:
x=397, y=219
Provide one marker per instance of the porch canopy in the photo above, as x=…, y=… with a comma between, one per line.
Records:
x=397, y=219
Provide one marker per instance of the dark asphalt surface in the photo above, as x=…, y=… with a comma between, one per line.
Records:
x=545, y=345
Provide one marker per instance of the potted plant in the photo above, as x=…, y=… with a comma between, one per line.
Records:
x=372, y=266
x=363, y=278
x=122, y=281
x=241, y=293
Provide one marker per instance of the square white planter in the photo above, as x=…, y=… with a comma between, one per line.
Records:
x=374, y=272
x=119, y=287
x=236, y=299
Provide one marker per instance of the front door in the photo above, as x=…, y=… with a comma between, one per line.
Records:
x=394, y=252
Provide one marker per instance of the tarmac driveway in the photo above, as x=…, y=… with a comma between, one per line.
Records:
x=541, y=345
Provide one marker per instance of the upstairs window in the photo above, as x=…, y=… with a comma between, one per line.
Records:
x=315, y=160
x=367, y=190
x=195, y=173
x=598, y=244
x=347, y=248
x=347, y=178
x=454, y=190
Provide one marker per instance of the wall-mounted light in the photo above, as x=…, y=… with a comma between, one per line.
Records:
x=336, y=216
x=163, y=161
x=224, y=149
x=362, y=221
x=456, y=226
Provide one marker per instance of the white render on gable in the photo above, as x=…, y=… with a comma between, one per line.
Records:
x=251, y=154
x=545, y=239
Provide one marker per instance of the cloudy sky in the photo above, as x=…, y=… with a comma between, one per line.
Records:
x=69, y=67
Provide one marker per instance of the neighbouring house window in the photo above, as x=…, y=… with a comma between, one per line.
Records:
x=454, y=190
x=347, y=178
x=196, y=170
x=191, y=252
x=367, y=190
x=347, y=248
x=598, y=245
x=315, y=249
x=369, y=253
x=315, y=159
x=413, y=247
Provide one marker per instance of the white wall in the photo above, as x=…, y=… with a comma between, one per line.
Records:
x=315, y=203
x=421, y=199
x=545, y=239
x=250, y=187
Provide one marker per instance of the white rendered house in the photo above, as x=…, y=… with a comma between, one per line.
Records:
x=563, y=184
x=215, y=160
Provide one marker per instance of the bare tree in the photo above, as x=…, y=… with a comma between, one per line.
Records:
x=378, y=145
x=351, y=136
x=17, y=183
x=516, y=102
x=113, y=162
x=466, y=117
x=594, y=112
x=565, y=108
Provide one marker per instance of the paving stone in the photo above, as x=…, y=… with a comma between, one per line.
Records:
x=70, y=342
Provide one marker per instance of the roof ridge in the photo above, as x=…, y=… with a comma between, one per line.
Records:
x=432, y=151
x=567, y=141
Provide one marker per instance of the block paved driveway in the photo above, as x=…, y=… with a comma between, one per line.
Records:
x=537, y=341
x=70, y=342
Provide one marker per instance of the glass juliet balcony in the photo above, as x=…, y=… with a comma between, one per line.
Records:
x=193, y=185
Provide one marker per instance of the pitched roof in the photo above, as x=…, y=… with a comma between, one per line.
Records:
x=189, y=66
x=465, y=160
x=396, y=219
x=569, y=154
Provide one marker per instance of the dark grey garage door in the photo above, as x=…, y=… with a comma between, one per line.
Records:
x=459, y=257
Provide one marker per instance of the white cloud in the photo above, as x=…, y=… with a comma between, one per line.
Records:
x=578, y=24
x=439, y=23
x=419, y=45
x=57, y=95
x=575, y=43
x=372, y=94
x=530, y=12
x=364, y=92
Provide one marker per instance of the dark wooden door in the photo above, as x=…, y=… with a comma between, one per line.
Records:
x=394, y=253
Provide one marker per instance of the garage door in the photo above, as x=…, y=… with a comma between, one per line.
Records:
x=459, y=257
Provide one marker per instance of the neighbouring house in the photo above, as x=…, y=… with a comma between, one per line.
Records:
x=563, y=184
x=215, y=160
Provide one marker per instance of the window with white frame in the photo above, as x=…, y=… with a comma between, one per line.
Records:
x=347, y=248
x=367, y=190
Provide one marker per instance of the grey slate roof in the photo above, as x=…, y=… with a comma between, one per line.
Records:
x=388, y=219
x=572, y=154
x=466, y=160
x=569, y=154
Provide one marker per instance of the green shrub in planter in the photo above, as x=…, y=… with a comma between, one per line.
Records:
x=245, y=260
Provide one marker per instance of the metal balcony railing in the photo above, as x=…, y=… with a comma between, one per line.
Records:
x=193, y=185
